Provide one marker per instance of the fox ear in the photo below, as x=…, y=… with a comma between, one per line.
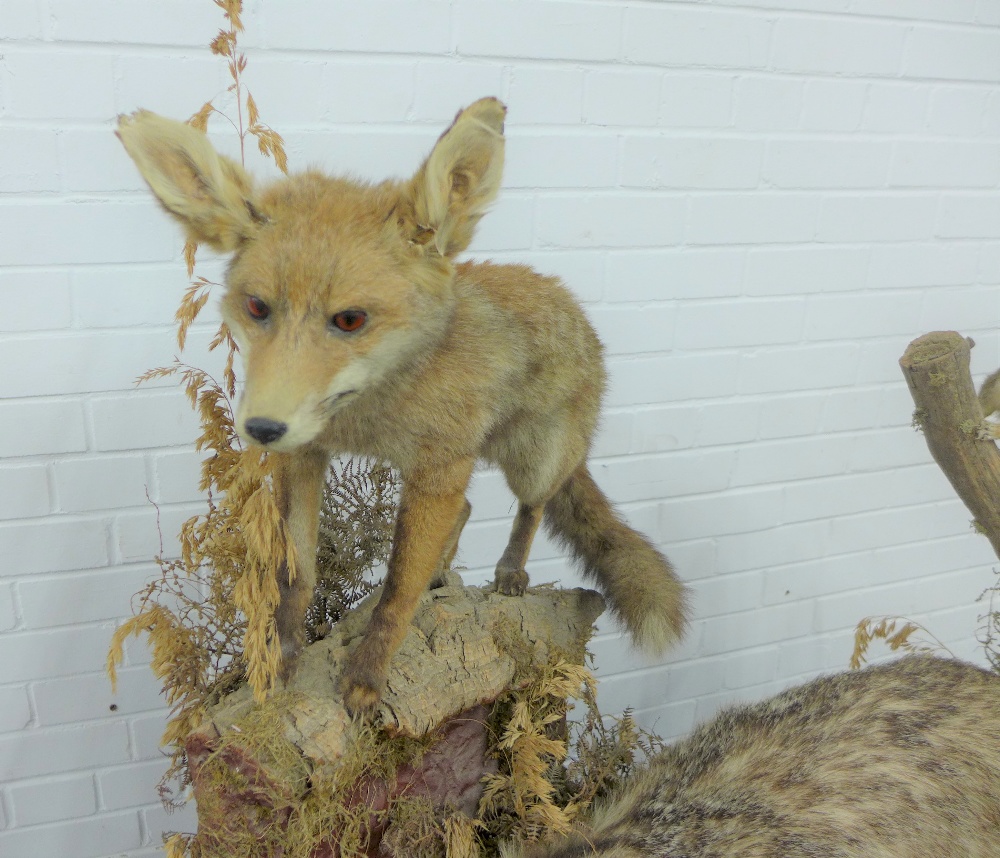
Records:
x=208, y=193
x=460, y=177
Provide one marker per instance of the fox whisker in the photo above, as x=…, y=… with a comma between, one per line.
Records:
x=327, y=405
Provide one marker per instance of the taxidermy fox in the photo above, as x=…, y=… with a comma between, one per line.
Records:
x=897, y=761
x=361, y=334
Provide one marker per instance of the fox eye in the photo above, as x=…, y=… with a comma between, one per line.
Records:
x=349, y=320
x=257, y=308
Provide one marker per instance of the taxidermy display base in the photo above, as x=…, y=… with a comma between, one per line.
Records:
x=259, y=771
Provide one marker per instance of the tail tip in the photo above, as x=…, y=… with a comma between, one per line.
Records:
x=658, y=632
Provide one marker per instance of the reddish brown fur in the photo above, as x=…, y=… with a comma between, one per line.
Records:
x=455, y=363
x=898, y=761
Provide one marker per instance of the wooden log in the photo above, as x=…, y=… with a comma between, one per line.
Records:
x=936, y=367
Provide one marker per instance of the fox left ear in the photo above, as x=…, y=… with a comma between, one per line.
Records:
x=208, y=193
x=460, y=178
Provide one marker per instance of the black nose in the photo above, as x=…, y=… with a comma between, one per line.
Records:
x=265, y=430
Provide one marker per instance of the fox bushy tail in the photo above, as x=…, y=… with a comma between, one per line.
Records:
x=637, y=580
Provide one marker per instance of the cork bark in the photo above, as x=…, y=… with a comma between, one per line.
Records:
x=466, y=647
x=936, y=367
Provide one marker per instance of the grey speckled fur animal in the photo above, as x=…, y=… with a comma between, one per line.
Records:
x=895, y=761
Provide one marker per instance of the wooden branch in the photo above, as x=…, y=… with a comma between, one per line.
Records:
x=936, y=367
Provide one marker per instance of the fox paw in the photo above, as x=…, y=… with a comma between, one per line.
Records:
x=511, y=582
x=361, y=700
x=361, y=688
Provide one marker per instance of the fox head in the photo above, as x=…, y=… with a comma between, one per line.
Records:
x=333, y=284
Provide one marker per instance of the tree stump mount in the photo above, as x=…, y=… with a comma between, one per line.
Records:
x=253, y=766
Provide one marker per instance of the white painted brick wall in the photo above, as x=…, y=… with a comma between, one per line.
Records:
x=760, y=201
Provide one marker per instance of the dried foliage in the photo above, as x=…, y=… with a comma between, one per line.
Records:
x=989, y=627
x=225, y=45
x=531, y=749
x=606, y=752
x=241, y=537
x=304, y=809
x=355, y=535
x=269, y=142
x=536, y=792
x=898, y=634
x=541, y=787
x=208, y=618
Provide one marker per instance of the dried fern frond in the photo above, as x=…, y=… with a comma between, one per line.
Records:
x=532, y=748
x=540, y=787
x=355, y=535
x=898, y=634
x=606, y=752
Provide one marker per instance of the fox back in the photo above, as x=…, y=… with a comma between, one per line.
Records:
x=896, y=761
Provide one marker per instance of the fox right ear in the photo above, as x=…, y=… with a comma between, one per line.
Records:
x=208, y=193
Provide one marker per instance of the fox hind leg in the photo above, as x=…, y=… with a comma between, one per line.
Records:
x=536, y=462
x=511, y=577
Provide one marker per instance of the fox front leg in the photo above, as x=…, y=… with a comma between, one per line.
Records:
x=298, y=486
x=430, y=509
x=440, y=577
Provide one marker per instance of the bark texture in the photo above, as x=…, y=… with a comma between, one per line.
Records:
x=936, y=367
x=466, y=647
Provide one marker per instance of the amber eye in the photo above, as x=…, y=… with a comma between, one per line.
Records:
x=257, y=308
x=349, y=320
